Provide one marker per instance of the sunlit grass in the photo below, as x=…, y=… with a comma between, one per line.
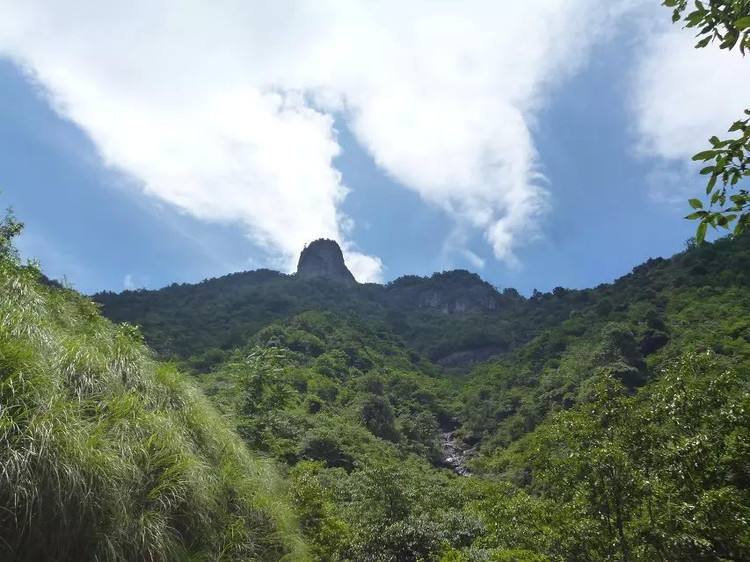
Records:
x=106, y=454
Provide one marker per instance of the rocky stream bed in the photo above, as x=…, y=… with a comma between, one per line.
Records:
x=455, y=453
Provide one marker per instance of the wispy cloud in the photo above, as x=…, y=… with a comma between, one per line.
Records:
x=474, y=259
x=225, y=109
x=127, y=282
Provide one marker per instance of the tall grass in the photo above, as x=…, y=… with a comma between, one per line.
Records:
x=106, y=454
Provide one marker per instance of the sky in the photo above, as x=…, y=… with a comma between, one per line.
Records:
x=542, y=143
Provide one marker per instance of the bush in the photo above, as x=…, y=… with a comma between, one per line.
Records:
x=326, y=447
x=377, y=415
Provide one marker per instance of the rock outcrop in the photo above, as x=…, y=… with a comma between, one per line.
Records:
x=450, y=292
x=323, y=259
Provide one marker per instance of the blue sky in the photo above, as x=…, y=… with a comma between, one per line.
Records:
x=583, y=204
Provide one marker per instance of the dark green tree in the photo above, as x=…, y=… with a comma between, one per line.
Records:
x=377, y=415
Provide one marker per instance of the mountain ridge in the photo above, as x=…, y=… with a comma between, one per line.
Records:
x=443, y=315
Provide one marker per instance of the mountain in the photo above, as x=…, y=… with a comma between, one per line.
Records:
x=309, y=417
x=452, y=317
x=371, y=391
x=323, y=259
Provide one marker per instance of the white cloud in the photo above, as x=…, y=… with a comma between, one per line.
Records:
x=474, y=259
x=225, y=109
x=682, y=95
x=365, y=268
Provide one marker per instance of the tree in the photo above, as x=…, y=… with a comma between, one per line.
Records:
x=659, y=475
x=728, y=161
x=9, y=229
x=377, y=415
x=263, y=379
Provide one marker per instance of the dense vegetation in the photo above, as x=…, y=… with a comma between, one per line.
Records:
x=612, y=425
x=107, y=454
x=452, y=317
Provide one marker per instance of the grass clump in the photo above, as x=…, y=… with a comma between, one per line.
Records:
x=106, y=454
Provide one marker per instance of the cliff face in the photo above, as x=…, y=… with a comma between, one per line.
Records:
x=450, y=292
x=323, y=259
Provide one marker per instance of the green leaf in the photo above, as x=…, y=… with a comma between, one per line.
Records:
x=705, y=155
x=696, y=203
x=730, y=39
x=703, y=42
x=707, y=170
x=742, y=23
x=711, y=184
x=700, y=233
x=714, y=140
x=696, y=215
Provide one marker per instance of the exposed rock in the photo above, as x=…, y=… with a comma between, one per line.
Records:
x=450, y=292
x=323, y=259
x=454, y=454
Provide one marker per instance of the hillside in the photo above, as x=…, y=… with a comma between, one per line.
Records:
x=107, y=454
x=452, y=317
x=696, y=301
x=376, y=397
x=429, y=419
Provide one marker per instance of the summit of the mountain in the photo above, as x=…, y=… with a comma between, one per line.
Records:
x=323, y=259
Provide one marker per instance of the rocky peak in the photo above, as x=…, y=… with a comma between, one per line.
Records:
x=323, y=259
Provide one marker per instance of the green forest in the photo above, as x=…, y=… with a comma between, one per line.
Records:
x=262, y=416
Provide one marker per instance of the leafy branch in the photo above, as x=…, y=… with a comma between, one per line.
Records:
x=728, y=22
x=731, y=163
x=725, y=21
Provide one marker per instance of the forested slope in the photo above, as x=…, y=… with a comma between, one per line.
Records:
x=441, y=315
x=696, y=301
x=107, y=454
x=610, y=424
